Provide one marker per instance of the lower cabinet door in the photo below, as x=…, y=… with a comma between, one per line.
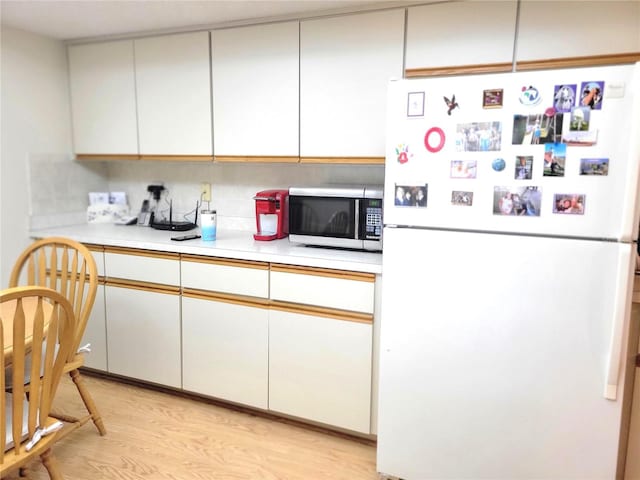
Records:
x=225, y=350
x=320, y=369
x=143, y=335
x=95, y=334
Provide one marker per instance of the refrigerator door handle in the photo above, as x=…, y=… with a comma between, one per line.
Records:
x=621, y=310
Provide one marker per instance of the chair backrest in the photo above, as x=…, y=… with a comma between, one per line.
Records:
x=63, y=265
x=40, y=323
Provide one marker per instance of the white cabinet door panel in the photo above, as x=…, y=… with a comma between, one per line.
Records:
x=225, y=350
x=103, y=98
x=143, y=335
x=345, y=65
x=460, y=33
x=320, y=369
x=174, y=96
x=575, y=29
x=96, y=334
x=255, y=73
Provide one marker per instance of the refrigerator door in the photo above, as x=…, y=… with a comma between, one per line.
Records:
x=494, y=357
x=450, y=153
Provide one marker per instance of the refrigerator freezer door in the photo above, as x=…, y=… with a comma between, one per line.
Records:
x=444, y=151
x=493, y=356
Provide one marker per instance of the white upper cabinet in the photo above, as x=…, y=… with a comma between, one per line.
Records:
x=103, y=98
x=574, y=29
x=174, y=94
x=345, y=66
x=461, y=33
x=255, y=90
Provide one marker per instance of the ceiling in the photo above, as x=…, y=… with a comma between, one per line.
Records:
x=89, y=19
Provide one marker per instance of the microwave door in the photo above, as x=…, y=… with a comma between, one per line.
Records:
x=324, y=221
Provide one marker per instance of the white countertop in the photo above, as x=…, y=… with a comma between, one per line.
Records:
x=228, y=244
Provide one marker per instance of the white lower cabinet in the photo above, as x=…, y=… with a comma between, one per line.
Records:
x=320, y=369
x=95, y=333
x=225, y=350
x=143, y=334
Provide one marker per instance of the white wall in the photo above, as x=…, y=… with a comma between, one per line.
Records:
x=35, y=120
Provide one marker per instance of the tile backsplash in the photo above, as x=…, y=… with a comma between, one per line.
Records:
x=59, y=186
x=232, y=185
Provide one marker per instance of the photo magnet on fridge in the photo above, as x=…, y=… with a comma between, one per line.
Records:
x=569, y=203
x=564, y=97
x=411, y=195
x=463, y=168
x=555, y=155
x=492, y=98
x=591, y=94
x=479, y=137
x=459, y=197
x=517, y=201
x=594, y=166
x=524, y=167
x=415, y=104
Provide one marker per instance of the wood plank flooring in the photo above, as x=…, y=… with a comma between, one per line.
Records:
x=155, y=435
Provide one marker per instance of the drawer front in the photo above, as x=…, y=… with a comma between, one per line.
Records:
x=142, y=268
x=325, y=291
x=223, y=278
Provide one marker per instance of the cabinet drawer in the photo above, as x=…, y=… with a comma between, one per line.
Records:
x=351, y=291
x=226, y=276
x=142, y=266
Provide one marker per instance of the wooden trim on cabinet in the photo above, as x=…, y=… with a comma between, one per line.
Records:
x=326, y=312
x=225, y=298
x=570, y=62
x=324, y=272
x=227, y=262
x=110, y=156
x=458, y=70
x=142, y=253
x=344, y=160
x=256, y=159
x=178, y=158
x=94, y=247
x=145, y=286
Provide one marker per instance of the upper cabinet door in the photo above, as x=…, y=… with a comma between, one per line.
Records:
x=174, y=94
x=255, y=74
x=562, y=29
x=103, y=98
x=461, y=34
x=345, y=66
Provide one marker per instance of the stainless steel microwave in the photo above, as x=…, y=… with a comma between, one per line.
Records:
x=336, y=216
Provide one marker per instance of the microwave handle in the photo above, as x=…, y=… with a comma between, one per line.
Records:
x=357, y=215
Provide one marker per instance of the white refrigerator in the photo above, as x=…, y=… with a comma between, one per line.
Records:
x=510, y=212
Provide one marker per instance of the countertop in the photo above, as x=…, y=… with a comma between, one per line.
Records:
x=228, y=244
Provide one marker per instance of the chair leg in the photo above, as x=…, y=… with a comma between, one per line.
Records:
x=51, y=464
x=88, y=401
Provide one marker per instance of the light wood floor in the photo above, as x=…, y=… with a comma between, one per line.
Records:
x=154, y=435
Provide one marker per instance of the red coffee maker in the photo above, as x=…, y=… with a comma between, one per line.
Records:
x=272, y=214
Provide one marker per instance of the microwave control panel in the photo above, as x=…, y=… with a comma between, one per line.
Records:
x=373, y=218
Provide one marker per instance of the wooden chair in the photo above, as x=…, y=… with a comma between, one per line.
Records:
x=68, y=267
x=36, y=323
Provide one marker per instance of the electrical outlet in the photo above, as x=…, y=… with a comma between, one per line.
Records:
x=205, y=191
